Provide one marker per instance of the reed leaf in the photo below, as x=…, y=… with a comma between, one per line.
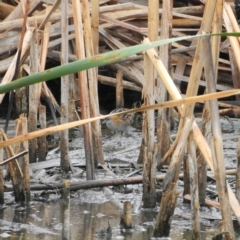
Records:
x=95, y=61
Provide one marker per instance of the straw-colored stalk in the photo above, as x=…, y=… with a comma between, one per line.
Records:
x=197, y=65
x=163, y=123
x=168, y=202
x=95, y=24
x=200, y=140
x=206, y=124
x=219, y=166
x=231, y=17
x=15, y=173
x=33, y=96
x=112, y=82
x=173, y=103
x=233, y=40
x=149, y=165
x=119, y=90
x=42, y=141
x=234, y=70
x=43, y=53
x=93, y=83
x=16, y=23
x=126, y=218
x=21, y=125
x=176, y=160
x=11, y=70
x=65, y=162
x=84, y=93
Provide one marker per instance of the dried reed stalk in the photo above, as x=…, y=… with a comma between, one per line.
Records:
x=174, y=103
x=197, y=66
x=95, y=24
x=119, y=90
x=33, y=96
x=233, y=40
x=8, y=25
x=193, y=172
x=126, y=218
x=169, y=185
x=11, y=70
x=42, y=141
x=163, y=123
x=219, y=166
x=200, y=140
x=65, y=210
x=65, y=162
x=26, y=174
x=149, y=165
x=206, y=124
x=112, y=82
x=93, y=83
x=43, y=88
x=84, y=94
x=235, y=71
x=232, y=17
x=15, y=172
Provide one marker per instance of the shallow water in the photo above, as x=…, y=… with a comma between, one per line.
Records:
x=41, y=220
x=92, y=210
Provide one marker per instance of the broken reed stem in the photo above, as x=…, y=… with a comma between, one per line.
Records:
x=64, y=135
x=126, y=218
x=168, y=202
x=163, y=123
x=235, y=71
x=176, y=160
x=167, y=207
x=119, y=90
x=206, y=124
x=83, y=85
x=186, y=176
x=196, y=70
x=216, y=40
x=95, y=25
x=202, y=164
x=232, y=18
x=42, y=141
x=198, y=137
x=93, y=83
x=33, y=96
x=193, y=173
x=11, y=69
x=238, y=173
x=233, y=40
x=76, y=185
x=65, y=210
x=26, y=173
x=219, y=167
x=113, y=82
x=149, y=165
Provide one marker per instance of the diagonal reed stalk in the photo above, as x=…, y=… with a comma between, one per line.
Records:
x=172, y=103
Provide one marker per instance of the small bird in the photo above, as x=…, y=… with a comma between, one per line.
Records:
x=119, y=123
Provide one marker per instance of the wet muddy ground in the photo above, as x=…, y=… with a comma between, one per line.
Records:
x=93, y=210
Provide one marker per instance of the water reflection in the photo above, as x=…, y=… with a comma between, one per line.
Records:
x=40, y=220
